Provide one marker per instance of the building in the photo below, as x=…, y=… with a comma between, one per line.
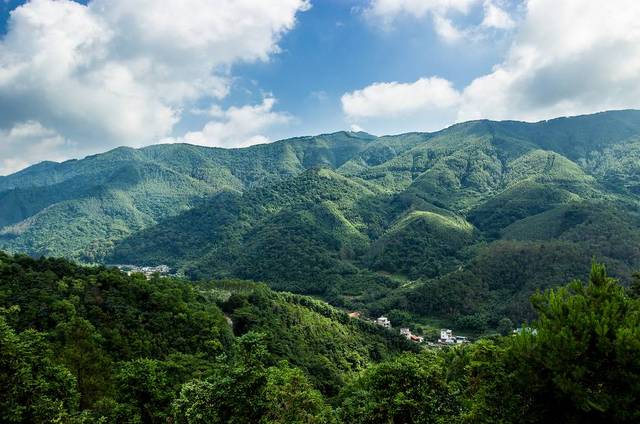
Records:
x=355, y=314
x=527, y=330
x=147, y=271
x=383, y=322
x=416, y=339
x=410, y=336
x=447, y=337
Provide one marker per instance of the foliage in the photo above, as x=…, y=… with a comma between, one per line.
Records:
x=83, y=344
x=33, y=386
x=408, y=389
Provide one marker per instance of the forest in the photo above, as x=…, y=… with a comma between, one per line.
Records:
x=92, y=344
x=455, y=228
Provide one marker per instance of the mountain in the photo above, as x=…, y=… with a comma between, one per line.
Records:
x=460, y=225
x=79, y=208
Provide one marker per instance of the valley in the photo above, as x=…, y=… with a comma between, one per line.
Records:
x=460, y=225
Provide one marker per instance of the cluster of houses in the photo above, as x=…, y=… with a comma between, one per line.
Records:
x=383, y=321
x=147, y=271
x=446, y=335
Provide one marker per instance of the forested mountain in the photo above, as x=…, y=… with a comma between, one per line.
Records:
x=461, y=225
x=93, y=344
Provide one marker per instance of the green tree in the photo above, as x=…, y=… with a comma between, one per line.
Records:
x=290, y=398
x=409, y=389
x=81, y=352
x=33, y=388
x=581, y=363
x=244, y=390
x=145, y=384
x=635, y=285
x=505, y=326
x=233, y=394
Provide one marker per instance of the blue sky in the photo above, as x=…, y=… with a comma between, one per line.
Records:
x=78, y=78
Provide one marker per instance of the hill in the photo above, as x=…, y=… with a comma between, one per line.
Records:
x=121, y=346
x=461, y=225
x=92, y=344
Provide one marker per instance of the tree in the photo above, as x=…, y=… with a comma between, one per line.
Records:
x=505, y=326
x=290, y=398
x=33, y=388
x=145, y=385
x=233, y=393
x=635, y=285
x=244, y=390
x=411, y=388
x=581, y=363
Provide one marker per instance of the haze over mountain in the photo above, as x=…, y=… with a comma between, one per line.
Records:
x=461, y=224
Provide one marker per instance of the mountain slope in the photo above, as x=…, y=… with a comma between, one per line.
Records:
x=454, y=224
x=126, y=190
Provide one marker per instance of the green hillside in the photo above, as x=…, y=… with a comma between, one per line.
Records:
x=117, y=193
x=91, y=344
x=461, y=225
x=100, y=341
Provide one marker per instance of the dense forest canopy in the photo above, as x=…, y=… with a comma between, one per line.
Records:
x=93, y=344
x=457, y=227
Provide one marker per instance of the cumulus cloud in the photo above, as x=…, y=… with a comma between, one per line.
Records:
x=27, y=141
x=118, y=72
x=496, y=17
x=446, y=30
x=390, y=9
x=236, y=126
x=391, y=99
x=569, y=57
x=440, y=11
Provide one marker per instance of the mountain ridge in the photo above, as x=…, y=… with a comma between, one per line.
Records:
x=353, y=217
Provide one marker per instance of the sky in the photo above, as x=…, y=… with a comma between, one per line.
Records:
x=82, y=77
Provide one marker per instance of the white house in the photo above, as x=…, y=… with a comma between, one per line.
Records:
x=447, y=337
x=383, y=322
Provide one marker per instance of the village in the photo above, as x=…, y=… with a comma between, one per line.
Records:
x=447, y=337
x=147, y=271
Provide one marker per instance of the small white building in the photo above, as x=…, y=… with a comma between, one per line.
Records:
x=405, y=332
x=383, y=322
x=447, y=337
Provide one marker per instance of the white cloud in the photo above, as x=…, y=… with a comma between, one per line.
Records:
x=446, y=30
x=391, y=99
x=28, y=140
x=237, y=126
x=496, y=17
x=441, y=12
x=569, y=57
x=390, y=9
x=119, y=72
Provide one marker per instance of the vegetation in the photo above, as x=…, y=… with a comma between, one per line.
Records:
x=460, y=226
x=94, y=342
x=82, y=344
